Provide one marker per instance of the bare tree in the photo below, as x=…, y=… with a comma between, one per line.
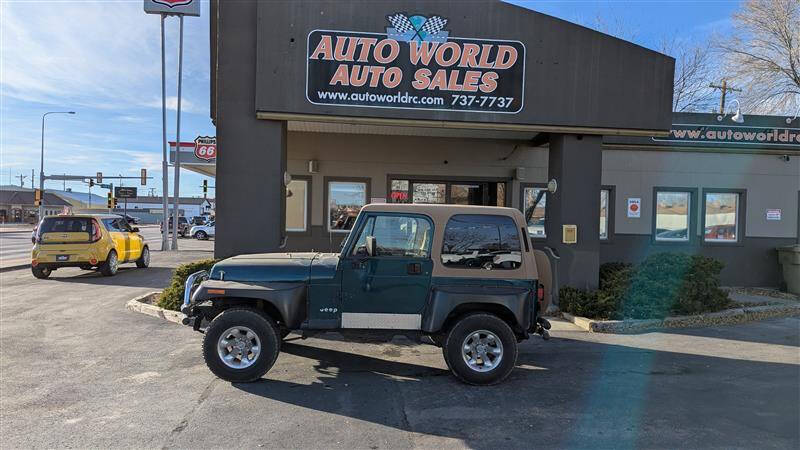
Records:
x=694, y=67
x=694, y=70
x=762, y=55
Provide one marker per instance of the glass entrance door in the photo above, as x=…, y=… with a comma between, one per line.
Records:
x=481, y=193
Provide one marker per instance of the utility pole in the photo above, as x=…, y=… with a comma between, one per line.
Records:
x=724, y=88
x=21, y=179
x=32, y=177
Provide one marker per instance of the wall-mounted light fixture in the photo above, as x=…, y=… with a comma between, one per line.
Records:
x=790, y=119
x=738, y=117
x=313, y=166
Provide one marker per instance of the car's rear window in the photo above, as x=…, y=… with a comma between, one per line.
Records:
x=473, y=241
x=66, y=225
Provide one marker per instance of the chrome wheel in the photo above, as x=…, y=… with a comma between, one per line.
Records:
x=482, y=351
x=238, y=347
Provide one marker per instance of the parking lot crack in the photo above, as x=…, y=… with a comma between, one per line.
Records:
x=187, y=418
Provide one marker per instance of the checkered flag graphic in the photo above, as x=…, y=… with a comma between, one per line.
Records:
x=434, y=25
x=401, y=23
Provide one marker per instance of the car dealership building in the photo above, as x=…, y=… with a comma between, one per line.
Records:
x=322, y=107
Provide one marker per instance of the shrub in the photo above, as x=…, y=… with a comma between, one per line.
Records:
x=663, y=284
x=172, y=297
x=675, y=284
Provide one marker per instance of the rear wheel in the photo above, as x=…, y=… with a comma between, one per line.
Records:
x=481, y=349
x=110, y=267
x=201, y=235
x=41, y=272
x=241, y=345
x=144, y=258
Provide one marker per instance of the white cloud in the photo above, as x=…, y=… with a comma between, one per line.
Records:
x=100, y=55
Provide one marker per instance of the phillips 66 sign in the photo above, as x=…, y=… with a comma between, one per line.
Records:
x=205, y=147
x=184, y=7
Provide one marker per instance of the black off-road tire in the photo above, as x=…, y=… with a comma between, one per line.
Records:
x=144, y=258
x=41, y=272
x=468, y=325
x=263, y=326
x=108, y=268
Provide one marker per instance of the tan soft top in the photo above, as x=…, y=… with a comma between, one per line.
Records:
x=442, y=213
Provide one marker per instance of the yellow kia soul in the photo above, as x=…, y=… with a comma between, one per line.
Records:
x=102, y=241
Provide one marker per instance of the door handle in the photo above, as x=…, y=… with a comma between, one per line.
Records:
x=414, y=268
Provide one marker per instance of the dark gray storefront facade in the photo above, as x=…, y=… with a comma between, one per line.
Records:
x=476, y=103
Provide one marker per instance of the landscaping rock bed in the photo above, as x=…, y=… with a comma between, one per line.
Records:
x=727, y=317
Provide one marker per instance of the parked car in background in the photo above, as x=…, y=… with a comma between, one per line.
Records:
x=199, y=220
x=102, y=241
x=202, y=231
x=463, y=278
x=183, y=226
x=131, y=219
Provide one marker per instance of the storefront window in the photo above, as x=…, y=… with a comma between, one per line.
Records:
x=537, y=217
x=604, y=195
x=721, y=212
x=672, y=216
x=466, y=194
x=430, y=193
x=399, y=192
x=345, y=199
x=297, y=205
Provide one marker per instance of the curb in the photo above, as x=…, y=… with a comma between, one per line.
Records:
x=137, y=305
x=727, y=317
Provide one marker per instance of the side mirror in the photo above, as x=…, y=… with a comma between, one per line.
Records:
x=371, y=245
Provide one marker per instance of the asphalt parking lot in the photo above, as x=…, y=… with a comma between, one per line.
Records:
x=79, y=370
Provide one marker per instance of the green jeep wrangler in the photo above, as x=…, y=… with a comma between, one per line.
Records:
x=463, y=278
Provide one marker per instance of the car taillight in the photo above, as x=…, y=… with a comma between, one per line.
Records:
x=96, y=234
x=540, y=294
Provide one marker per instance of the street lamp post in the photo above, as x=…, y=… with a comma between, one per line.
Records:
x=41, y=162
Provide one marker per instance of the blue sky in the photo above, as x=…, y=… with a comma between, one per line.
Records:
x=102, y=59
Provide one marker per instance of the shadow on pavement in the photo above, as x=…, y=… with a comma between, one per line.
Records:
x=152, y=277
x=564, y=393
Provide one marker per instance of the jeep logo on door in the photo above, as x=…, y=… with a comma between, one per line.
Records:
x=415, y=64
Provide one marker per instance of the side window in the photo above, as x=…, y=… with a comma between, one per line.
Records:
x=362, y=238
x=123, y=225
x=481, y=242
x=397, y=236
x=111, y=224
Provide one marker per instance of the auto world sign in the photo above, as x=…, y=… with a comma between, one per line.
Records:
x=415, y=65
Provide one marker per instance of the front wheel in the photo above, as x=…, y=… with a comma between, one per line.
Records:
x=201, y=235
x=241, y=345
x=481, y=349
x=41, y=272
x=144, y=258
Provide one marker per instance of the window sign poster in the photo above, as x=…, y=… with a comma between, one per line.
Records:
x=774, y=214
x=634, y=207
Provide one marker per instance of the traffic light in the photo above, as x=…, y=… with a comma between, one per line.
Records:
x=110, y=200
x=91, y=182
x=99, y=177
x=144, y=177
x=116, y=200
x=205, y=188
x=37, y=198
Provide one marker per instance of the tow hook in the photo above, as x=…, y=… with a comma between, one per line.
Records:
x=542, y=325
